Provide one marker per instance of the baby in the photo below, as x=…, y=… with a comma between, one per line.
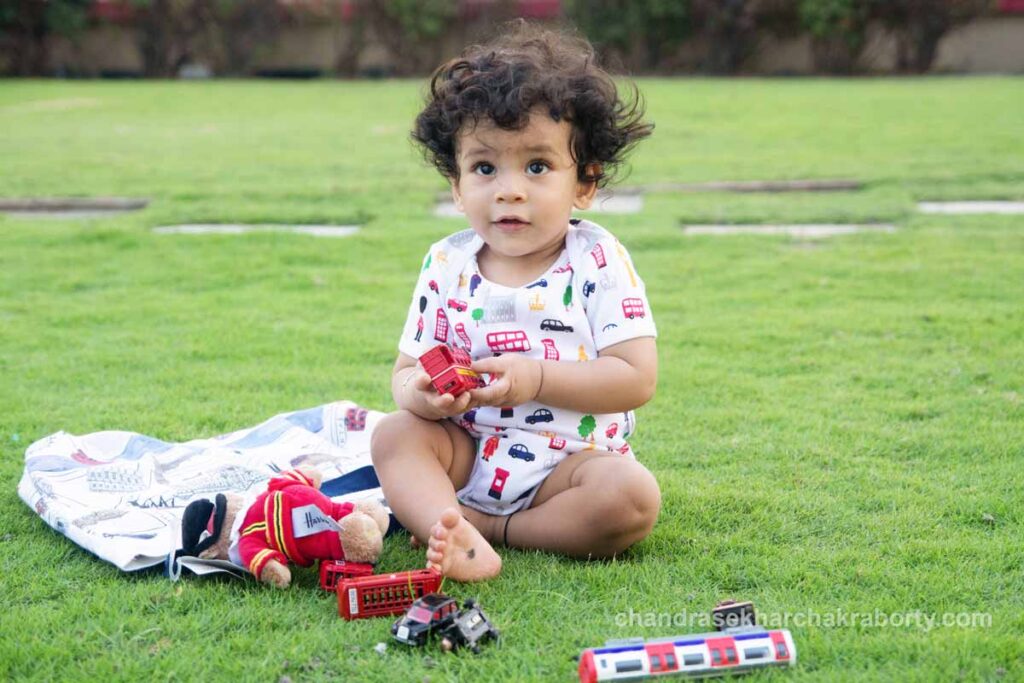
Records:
x=550, y=308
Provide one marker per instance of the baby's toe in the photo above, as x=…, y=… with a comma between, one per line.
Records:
x=450, y=518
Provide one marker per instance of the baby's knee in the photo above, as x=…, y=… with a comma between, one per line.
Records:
x=633, y=502
x=393, y=432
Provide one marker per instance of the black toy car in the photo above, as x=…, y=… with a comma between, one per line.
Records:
x=426, y=615
x=468, y=629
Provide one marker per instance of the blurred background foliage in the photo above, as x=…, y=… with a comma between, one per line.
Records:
x=642, y=36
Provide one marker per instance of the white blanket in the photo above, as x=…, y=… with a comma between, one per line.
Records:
x=121, y=495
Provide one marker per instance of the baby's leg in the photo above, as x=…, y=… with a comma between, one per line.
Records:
x=420, y=464
x=592, y=505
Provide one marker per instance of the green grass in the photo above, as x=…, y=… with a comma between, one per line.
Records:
x=839, y=425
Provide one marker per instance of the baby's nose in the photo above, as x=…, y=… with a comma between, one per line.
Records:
x=510, y=191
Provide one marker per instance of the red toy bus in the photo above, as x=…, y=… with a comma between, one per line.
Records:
x=449, y=370
x=333, y=570
x=383, y=595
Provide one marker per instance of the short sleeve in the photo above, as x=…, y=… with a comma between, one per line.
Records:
x=426, y=324
x=614, y=295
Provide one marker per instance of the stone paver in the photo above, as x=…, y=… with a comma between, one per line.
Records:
x=241, y=229
x=971, y=208
x=69, y=207
x=805, y=230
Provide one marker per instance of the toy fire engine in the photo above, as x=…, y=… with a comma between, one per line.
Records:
x=449, y=370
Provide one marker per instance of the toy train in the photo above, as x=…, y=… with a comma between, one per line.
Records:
x=694, y=656
x=449, y=370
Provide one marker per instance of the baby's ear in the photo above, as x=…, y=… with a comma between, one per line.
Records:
x=587, y=189
x=457, y=196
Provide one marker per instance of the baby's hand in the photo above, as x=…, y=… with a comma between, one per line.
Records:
x=431, y=405
x=515, y=380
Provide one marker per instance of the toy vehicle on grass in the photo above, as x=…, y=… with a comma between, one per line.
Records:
x=382, y=595
x=438, y=614
x=469, y=628
x=449, y=370
x=425, y=616
x=331, y=571
x=695, y=656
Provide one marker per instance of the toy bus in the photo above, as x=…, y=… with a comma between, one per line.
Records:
x=333, y=570
x=382, y=595
x=449, y=370
x=694, y=656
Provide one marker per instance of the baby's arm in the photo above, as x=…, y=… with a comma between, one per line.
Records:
x=621, y=378
x=412, y=391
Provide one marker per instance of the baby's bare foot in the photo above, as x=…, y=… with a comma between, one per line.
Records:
x=483, y=522
x=457, y=550
x=415, y=543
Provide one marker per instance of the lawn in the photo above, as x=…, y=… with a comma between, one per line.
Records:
x=838, y=429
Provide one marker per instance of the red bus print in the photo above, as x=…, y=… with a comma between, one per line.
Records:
x=556, y=444
x=460, y=331
x=508, y=341
x=633, y=308
x=598, y=253
x=441, y=326
x=355, y=419
x=550, y=352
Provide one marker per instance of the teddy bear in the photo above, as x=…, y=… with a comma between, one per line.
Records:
x=292, y=521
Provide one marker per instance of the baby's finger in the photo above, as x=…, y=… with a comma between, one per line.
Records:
x=441, y=402
x=483, y=365
x=421, y=381
x=491, y=395
x=461, y=402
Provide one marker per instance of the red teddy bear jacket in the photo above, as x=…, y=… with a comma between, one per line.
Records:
x=290, y=521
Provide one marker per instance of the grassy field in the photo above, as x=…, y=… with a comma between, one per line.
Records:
x=838, y=430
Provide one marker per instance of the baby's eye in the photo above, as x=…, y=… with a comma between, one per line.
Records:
x=483, y=168
x=537, y=167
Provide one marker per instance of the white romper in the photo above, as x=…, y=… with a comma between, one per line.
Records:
x=589, y=299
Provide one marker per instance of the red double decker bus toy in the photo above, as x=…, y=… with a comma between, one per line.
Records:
x=449, y=370
x=384, y=594
x=333, y=570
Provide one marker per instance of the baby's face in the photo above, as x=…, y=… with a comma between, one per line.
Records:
x=518, y=188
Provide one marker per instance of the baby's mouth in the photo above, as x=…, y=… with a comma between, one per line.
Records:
x=510, y=223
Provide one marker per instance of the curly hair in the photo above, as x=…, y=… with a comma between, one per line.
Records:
x=528, y=67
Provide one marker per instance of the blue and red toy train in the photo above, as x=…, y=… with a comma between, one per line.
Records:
x=696, y=656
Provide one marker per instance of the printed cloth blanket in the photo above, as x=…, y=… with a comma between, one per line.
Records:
x=121, y=495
